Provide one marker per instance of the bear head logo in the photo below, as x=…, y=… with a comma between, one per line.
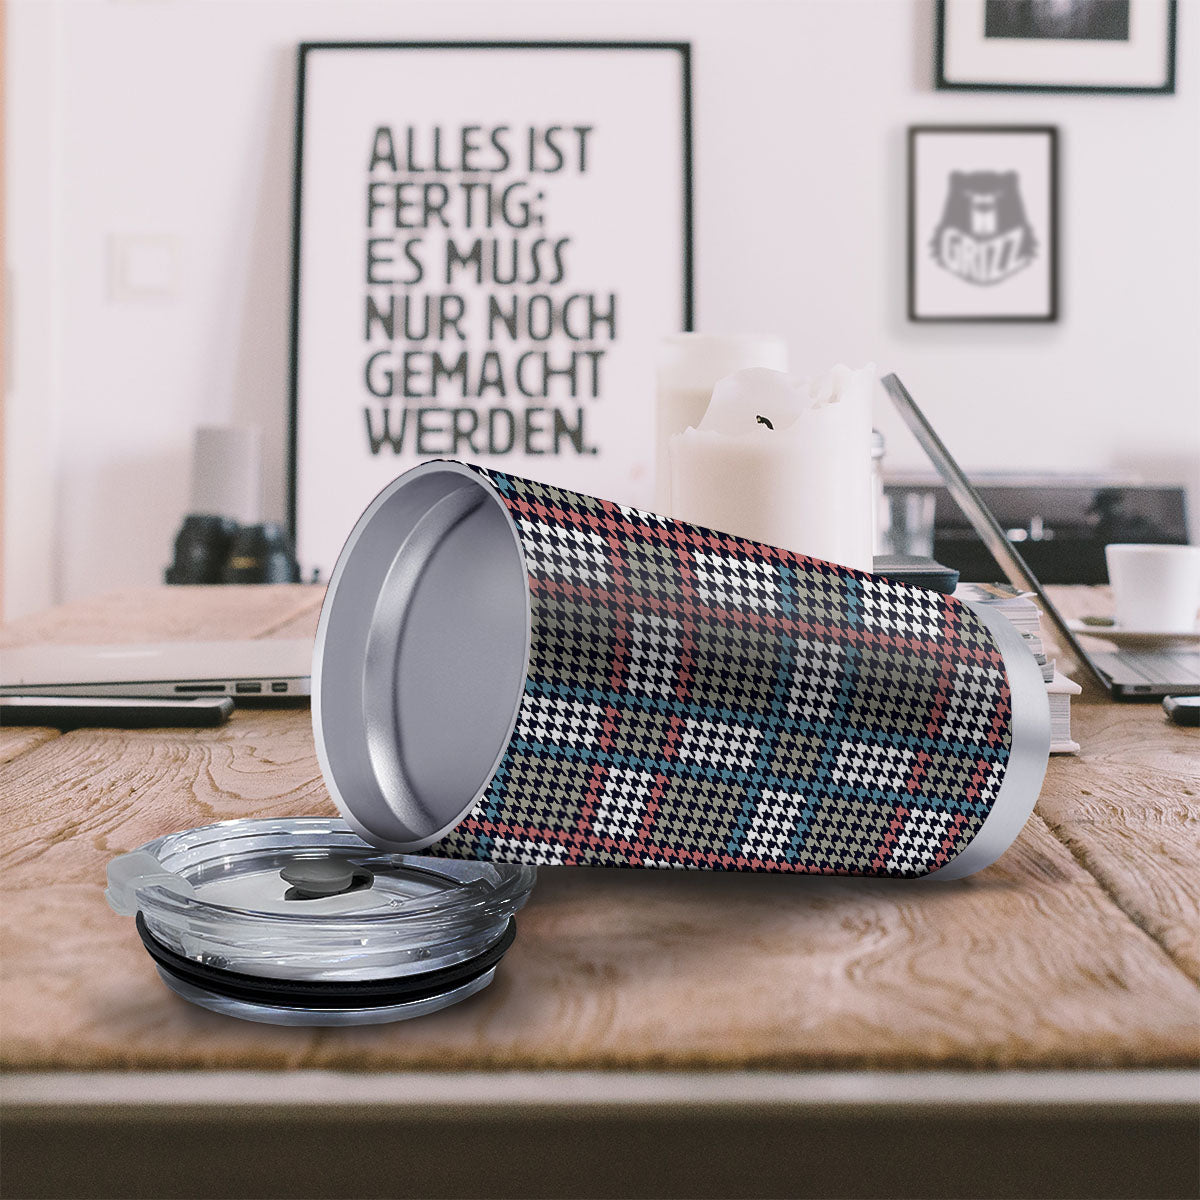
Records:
x=984, y=235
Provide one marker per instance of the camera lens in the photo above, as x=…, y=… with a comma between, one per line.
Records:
x=201, y=549
x=260, y=554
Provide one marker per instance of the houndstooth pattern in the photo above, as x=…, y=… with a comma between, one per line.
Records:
x=695, y=700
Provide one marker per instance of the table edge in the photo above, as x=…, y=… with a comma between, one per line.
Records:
x=1169, y=1088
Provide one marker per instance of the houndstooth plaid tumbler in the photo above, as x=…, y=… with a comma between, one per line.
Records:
x=510, y=671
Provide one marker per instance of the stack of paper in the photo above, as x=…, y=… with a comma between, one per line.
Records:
x=1060, y=690
x=1023, y=614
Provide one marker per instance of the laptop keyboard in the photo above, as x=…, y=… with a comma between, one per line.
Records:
x=1158, y=666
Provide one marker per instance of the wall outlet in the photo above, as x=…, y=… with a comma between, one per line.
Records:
x=143, y=266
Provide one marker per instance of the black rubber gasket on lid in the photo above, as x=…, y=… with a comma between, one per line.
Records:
x=339, y=994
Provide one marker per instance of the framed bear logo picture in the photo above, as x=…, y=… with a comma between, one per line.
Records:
x=983, y=223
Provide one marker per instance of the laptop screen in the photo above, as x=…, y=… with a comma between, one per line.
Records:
x=984, y=523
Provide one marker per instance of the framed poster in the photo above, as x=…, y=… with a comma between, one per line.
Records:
x=490, y=238
x=1056, y=45
x=983, y=223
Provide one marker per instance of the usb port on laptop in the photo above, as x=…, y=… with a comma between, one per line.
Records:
x=279, y=685
x=247, y=688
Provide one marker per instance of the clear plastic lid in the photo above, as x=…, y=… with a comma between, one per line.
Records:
x=306, y=899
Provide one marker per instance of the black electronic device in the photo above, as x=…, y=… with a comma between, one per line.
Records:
x=114, y=712
x=1183, y=710
x=920, y=572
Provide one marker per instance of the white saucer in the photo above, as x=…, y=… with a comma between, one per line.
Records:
x=1144, y=639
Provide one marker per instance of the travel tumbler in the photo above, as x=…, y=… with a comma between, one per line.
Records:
x=511, y=671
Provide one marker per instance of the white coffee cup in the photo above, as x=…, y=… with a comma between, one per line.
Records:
x=1155, y=588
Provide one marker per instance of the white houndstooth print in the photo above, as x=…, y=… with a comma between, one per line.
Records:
x=877, y=768
x=753, y=585
x=913, y=612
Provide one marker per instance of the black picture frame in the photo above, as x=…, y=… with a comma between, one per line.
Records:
x=942, y=83
x=1052, y=313
x=305, y=49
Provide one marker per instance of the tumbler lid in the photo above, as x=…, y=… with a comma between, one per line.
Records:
x=301, y=922
x=421, y=655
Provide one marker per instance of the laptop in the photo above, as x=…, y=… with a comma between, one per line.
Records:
x=246, y=669
x=1126, y=675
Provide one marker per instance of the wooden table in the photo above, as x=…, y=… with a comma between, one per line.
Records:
x=1033, y=1029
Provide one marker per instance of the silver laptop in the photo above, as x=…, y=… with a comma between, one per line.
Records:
x=246, y=669
x=1127, y=675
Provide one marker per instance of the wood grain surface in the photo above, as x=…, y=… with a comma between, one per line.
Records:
x=16, y=740
x=161, y=614
x=1077, y=949
x=1128, y=806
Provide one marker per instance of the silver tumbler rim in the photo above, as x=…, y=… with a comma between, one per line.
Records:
x=423, y=577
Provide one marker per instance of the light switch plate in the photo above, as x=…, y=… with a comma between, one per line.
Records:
x=143, y=266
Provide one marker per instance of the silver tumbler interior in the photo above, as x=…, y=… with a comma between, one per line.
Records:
x=421, y=656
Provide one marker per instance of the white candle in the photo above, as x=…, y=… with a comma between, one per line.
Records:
x=689, y=365
x=782, y=460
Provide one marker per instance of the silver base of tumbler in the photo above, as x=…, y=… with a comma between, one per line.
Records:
x=1028, y=754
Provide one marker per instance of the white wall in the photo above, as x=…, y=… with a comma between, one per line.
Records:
x=174, y=117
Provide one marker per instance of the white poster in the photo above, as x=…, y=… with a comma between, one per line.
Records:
x=491, y=239
x=983, y=236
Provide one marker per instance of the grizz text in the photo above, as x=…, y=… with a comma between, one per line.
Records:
x=985, y=260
